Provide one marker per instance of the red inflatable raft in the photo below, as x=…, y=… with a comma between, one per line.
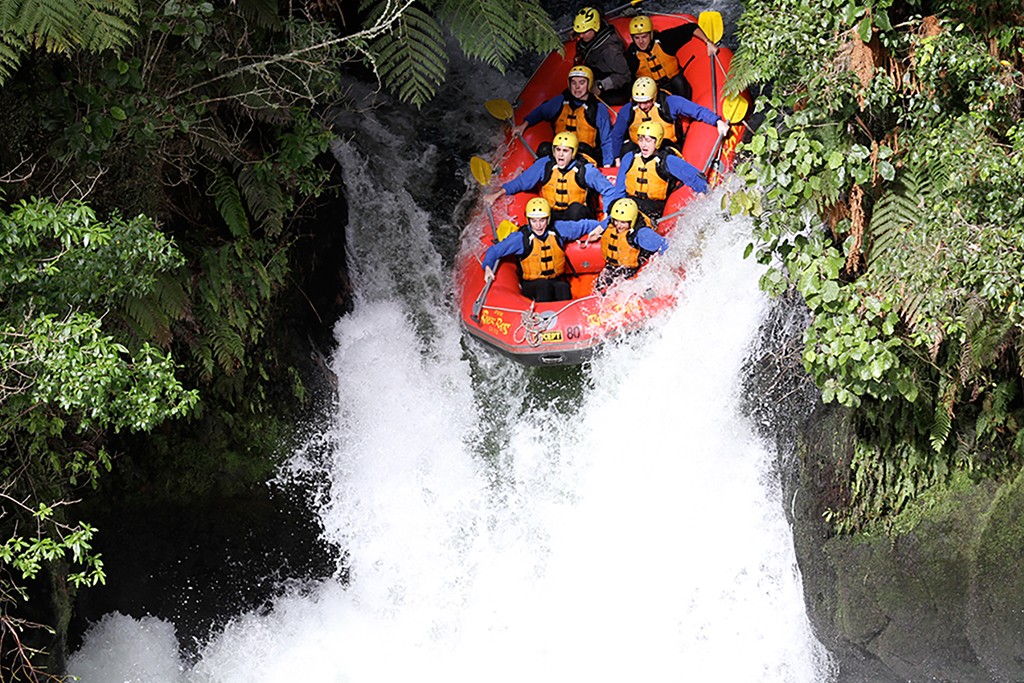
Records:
x=568, y=332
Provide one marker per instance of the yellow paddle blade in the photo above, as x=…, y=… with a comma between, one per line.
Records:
x=734, y=108
x=711, y=23
x=505, y=228
x=481, y=170
x=499, y=109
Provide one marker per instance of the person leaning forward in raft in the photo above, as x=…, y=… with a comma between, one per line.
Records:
x=540, y=247
x=627, y=237
x=599, y=46
x=651, y=104
x=652, y=173
x=569, y=183
x=577, y=111
x=653, y=53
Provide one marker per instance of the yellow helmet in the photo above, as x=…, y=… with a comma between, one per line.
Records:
x=538, y=207
x=586, y=19
x=566, y=139
x=644, y=89
x=640, y=24
x=625, y=209
x=652, y=129
x=582, y=71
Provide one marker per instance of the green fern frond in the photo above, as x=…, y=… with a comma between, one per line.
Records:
x=108, y=24
x=229, y=202
x=486, y=30
x=410, y=59
x=227, y=346
x=264, y=196
x=495, y=32
x=67, y=25
x=149, y=321
x=10, y=55
x=943, y=419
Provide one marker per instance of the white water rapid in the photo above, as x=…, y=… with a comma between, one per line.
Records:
x=619, y=522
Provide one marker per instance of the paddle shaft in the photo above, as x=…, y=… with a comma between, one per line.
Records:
x=670, y=216
x=523, y=140
x=479, y=303
x=494, y=228
x=714, y=154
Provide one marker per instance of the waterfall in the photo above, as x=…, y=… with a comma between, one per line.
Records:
x=619, y=521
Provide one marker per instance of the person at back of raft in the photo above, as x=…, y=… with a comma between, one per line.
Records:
x=540, y=248
x=653, y=53
x=650, y=174
x=578, y=111
x=648, y=103
x=628, y=240
x=569, y=183
x=599, y=46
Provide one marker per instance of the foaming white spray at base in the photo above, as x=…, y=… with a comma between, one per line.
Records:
x=632, y=532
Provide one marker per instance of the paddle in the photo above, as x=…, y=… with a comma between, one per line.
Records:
x=710, y=23
x=479, y=303
x=734, y=109
x=615, y=10
x=502, y=110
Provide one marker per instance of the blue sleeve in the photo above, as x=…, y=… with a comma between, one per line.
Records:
x=651, y=241
x=680, y=106
x=620, y=178
x=528, y=179
x=573, y=230
x=687, y=172
x=511, y=245
x=621, y=129
x=548, y=111
x=600, y=182
x=604, y=132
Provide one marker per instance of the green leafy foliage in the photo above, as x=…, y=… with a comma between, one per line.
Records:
x=886, y=184
x=66, y=382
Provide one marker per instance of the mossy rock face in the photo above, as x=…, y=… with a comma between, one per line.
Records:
x=904, y=599
x=995, y=609
x=939, y=600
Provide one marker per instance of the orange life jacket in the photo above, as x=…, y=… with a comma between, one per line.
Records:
x=543, y=257
x=581, y=120
x=656, y=63
x=564, y=187
x=621, y=248
x=649, y=178
x=659, y=112
x=618, y=250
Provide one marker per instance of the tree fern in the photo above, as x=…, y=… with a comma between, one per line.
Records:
x=410, y=59
x=63, y=26
x=407, y=45
x=495, y=32
x=229, y=202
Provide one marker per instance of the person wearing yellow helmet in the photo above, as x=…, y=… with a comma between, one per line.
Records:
x=649, y=103
x=653, y=53
x=539, y=250
x=578, y=111
x=599, y=47
x=652, y=173
x=570, y=183
x=628, y=240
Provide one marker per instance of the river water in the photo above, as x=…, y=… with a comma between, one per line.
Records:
x=618, y=521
